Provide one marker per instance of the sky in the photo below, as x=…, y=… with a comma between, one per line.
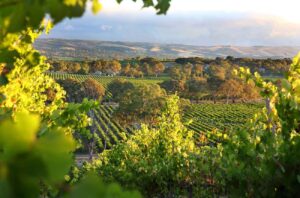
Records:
x=191, y=22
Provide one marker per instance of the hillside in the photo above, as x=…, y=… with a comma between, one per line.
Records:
x=82, y=49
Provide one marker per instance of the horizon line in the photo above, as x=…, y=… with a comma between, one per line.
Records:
x=161, y=43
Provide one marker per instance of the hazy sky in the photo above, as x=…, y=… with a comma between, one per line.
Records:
x=195, y=22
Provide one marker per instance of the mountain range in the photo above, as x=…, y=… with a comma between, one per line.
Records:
x=89, y=49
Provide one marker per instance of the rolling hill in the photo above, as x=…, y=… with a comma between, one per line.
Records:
x=82, y=49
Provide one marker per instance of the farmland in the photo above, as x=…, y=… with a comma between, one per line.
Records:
x=201, y=118
x=225, y=117
x=204, y=118
x=105, y=80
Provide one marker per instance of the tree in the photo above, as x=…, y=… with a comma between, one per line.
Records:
x=176, y=73
x=196, y=85
x=93, y=89
x=149, y=60
x=73, y=67
x=118, y=88
x=217, y=73
x=139, y=74
x=113, y=66
x=187, y=70
x=132, y=72
x=174, y=86
x=126, y=70
x=198, y=70
x=62, y=66
x=96, y=66
x=158, y=68
x=141, y=105
x=73, y=88
x=147, y=69
x=230, y=89
x=250, y=91
x=85, y=68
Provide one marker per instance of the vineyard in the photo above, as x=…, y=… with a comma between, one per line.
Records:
x=204, y=117
x=105, y=80
x=225, y=117
x=109, y=131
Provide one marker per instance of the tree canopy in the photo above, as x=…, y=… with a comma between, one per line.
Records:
x=118, y=88
x=143, y=104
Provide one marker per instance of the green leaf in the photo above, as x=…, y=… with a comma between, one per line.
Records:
x=163, y=6
x=92, y=186
x=55, y=148
x=18, y=136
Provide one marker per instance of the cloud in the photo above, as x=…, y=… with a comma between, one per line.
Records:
x=106, y=27
x=287, y=9
x=194, y=28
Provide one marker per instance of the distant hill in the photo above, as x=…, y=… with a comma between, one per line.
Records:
x=82, y=49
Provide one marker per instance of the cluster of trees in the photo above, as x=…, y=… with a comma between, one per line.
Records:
x=132, y=68
x=77, y=91
x=264, y=66
x=141, y=70
x=137, y=104
x=143, y=103
x=118, y=88
x=195, y=81
x=106, y=67
x=185, y=78
x=140, y=67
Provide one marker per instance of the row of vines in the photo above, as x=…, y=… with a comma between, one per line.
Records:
x=203, y=118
